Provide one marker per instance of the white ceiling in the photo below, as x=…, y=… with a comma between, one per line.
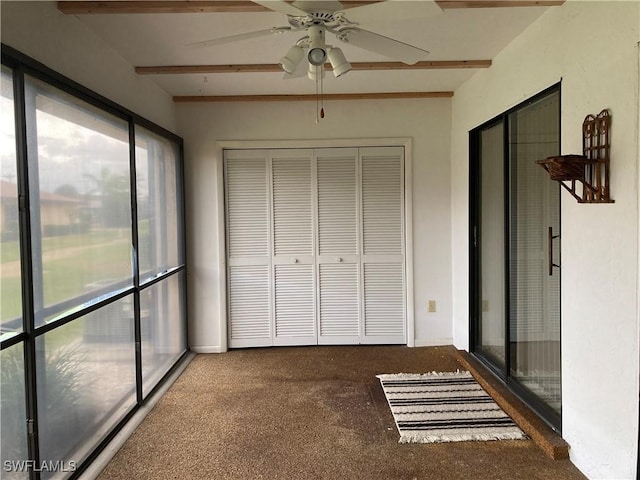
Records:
x=160, y=40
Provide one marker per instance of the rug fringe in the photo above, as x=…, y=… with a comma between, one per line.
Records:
x=413, y=376
x=484, y=437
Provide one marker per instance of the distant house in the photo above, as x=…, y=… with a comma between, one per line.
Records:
x=57, y=212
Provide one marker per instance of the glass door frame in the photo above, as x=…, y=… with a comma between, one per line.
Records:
x=548, y=414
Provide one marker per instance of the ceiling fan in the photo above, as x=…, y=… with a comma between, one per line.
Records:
x=315, y=18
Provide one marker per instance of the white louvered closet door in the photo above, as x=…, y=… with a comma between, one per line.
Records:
x=382, y=261
x=338, y=258
x=294, y=297
x=315, y=246
x=248, y=257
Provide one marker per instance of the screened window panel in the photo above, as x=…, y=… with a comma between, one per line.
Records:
x=162, y=325
x=10, y=273
x=80, y=198
x=85, y=373
x=159, y=215
x=81, y=245
x=13, y=412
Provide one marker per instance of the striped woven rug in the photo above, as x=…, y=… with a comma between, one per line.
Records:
x=445, y=407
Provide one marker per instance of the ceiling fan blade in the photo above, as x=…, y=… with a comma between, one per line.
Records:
x=390, y=11
x=386, y=46
x=282, y=7
x=313, y=5
x=240, y=36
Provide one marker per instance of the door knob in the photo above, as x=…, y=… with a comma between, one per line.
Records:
x=294, y=260
x=339, y=259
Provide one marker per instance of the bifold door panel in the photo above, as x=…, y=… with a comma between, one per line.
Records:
x=293, y=276
x=248, y=247
x=315, y=246
x=382, y=263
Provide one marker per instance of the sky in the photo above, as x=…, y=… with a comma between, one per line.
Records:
x=75, y=141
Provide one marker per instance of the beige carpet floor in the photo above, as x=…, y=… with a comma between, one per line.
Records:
x=308, y=413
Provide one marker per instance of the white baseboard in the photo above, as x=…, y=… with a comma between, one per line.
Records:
x=207, y=349
x=428, y=342
x=433, y=342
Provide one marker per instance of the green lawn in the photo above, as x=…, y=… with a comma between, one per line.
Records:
x=72, y=275
x=10, y=251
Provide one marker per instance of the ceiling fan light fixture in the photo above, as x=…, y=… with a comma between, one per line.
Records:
x=291, y=60
x=315, y=72
x=317, y=56
x=317, y=49
x=338, y=62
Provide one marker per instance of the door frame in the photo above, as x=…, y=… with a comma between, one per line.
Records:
x=222, y=145
x=552, y=418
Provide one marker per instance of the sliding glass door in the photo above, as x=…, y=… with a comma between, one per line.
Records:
x=534, y=229
x=515, y=228
x=492, y=255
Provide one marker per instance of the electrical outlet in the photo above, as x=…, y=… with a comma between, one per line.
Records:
x=432, y=306
x=485, y=305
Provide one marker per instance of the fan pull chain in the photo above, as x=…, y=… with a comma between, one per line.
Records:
x=317, y=108
x=321, y=92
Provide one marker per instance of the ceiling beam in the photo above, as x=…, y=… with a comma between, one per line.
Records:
x=275, y=68
x=171, y=6
x=245, y=6
x=309, y=98
x=452, y=4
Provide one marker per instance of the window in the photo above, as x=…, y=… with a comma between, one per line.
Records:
x=157, y=176
x=96, y=245
x=86, y=377
x=162, y=318
x=79, y=183
x=11, y=275
x=12, y=407
x=13, y=428
x=162, y=308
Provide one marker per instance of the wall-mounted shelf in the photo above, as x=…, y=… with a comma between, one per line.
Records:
x=589, y=170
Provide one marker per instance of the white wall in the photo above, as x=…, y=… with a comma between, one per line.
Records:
x=593, y=48
x=426, y=121
x=64, y=44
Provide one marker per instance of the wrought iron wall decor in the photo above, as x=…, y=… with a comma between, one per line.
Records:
x=591, y=168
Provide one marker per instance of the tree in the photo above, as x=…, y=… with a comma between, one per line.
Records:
x=113, y=191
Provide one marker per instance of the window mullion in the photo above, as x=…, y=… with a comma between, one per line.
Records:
x=27, y=270
x=135, y=261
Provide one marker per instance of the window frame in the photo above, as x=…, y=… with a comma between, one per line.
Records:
x=21, y=66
